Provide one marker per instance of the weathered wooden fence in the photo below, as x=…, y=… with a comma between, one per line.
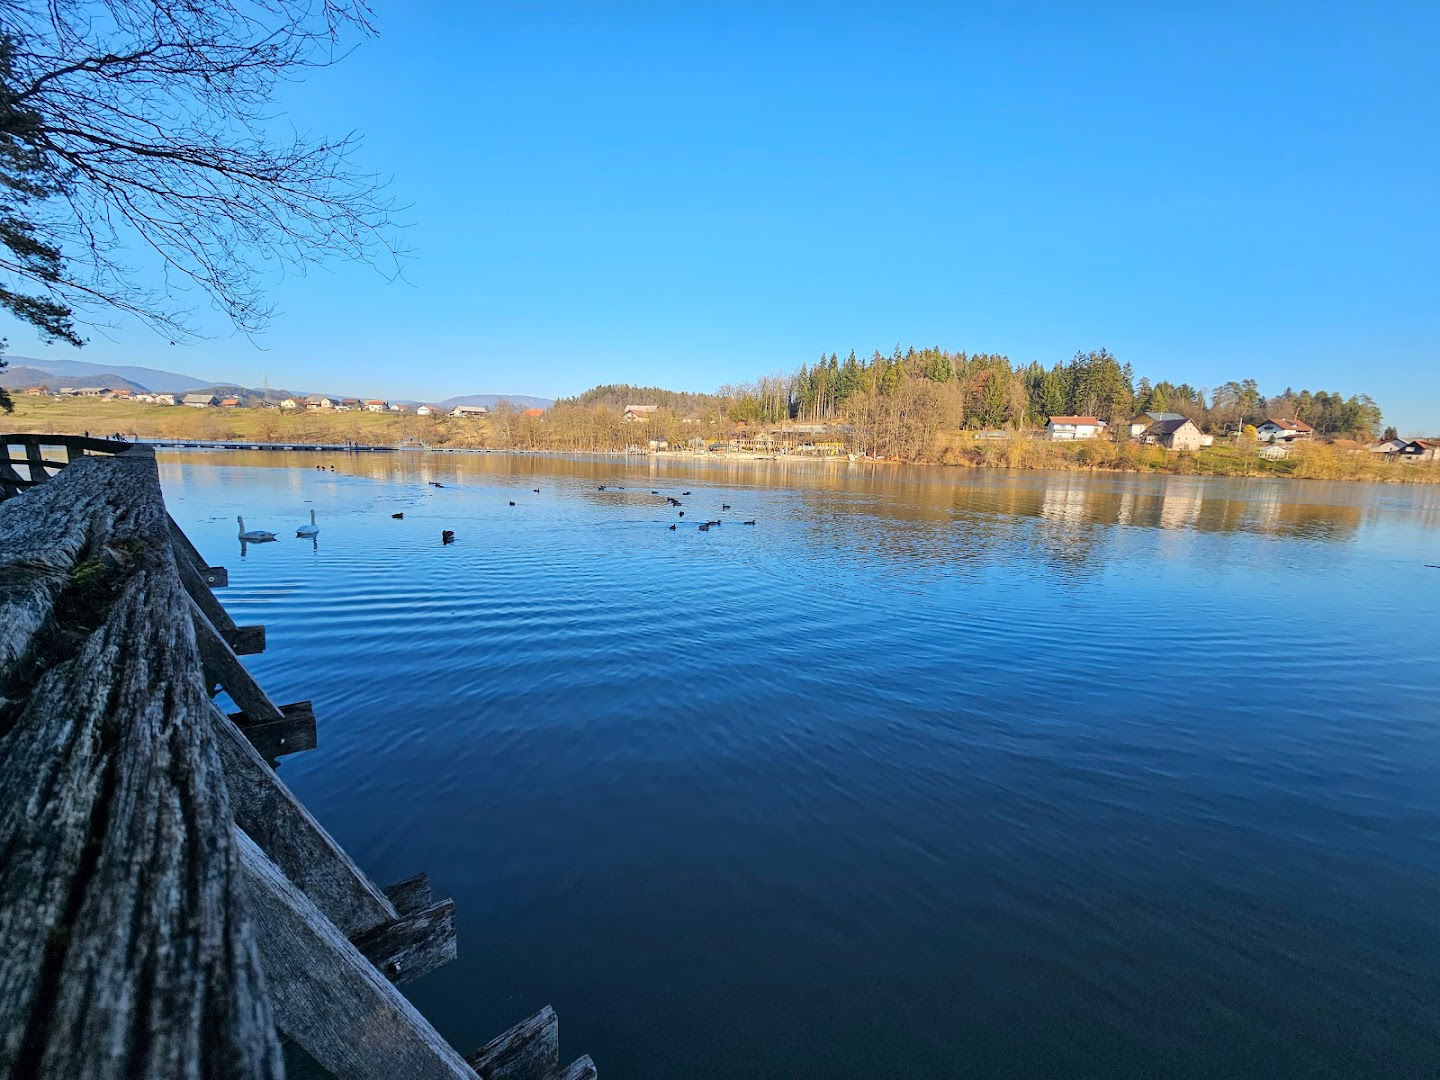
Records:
x=167, y=907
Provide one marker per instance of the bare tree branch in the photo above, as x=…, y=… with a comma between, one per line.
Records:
x=141, y=129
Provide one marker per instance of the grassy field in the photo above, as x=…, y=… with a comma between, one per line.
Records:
x=48, y=415
x=73, y=416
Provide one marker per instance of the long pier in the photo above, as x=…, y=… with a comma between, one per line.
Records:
x=167, y=906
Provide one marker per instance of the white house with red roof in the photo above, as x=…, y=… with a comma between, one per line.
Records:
x=1283, y=430
x=1062, y=428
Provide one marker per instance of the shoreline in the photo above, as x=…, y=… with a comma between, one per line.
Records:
x=1417, y=474
x=182, y=428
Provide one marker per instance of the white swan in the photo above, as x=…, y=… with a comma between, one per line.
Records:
x=309, y=530
x=258, y=536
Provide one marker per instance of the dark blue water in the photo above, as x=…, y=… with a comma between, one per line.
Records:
x=930, y=772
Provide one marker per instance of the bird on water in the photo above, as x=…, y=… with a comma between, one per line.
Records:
x=309, y=530
x=255, y=536
x=397, y=517
x=447, y=536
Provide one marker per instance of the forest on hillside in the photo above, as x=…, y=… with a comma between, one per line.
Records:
x=897, y=405
x=986, y=391
x=618, y=395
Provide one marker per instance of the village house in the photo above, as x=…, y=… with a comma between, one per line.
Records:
x=166, y=399
x=319, y=403
x=1283, y=430
x=146, y=398
x=533, y=412
x=1419, y=450
x=1140, y=421
x=65, y=391
x=634, y=413
x=469, y=410
x=201, y=401
x=34, y=391
x=230, y=403
x=90, y=391
x=1064, y=428
x=1388, y=446
x=376, y=405
x=429, y=410
x=121, y=395
x=1179, y=433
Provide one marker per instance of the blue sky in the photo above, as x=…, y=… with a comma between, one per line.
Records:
x=692, y=194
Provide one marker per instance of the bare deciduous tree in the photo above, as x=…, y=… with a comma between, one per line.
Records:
x=137, y=134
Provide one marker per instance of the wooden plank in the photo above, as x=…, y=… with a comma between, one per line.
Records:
x=246, y=640
x=329, y=998
x=411, y=895
x=276, y=738
x=217, y=577
x=528, y=1051
x=292, y=838
x=582, y=1068
x=32, y=456
x=222, y=666
x=413, y=945
x=126, y=946
x=195, y=575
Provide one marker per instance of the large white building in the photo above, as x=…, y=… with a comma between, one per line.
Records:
x=1062, y=428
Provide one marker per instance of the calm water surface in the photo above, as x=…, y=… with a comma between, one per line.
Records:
x=928, y=773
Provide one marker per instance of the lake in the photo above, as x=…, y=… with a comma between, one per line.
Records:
x=929, y=772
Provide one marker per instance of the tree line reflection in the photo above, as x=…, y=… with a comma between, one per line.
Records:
x=926, y=516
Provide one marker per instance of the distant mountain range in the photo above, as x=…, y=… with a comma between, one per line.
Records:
x=32, y=371
x=52, y=374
